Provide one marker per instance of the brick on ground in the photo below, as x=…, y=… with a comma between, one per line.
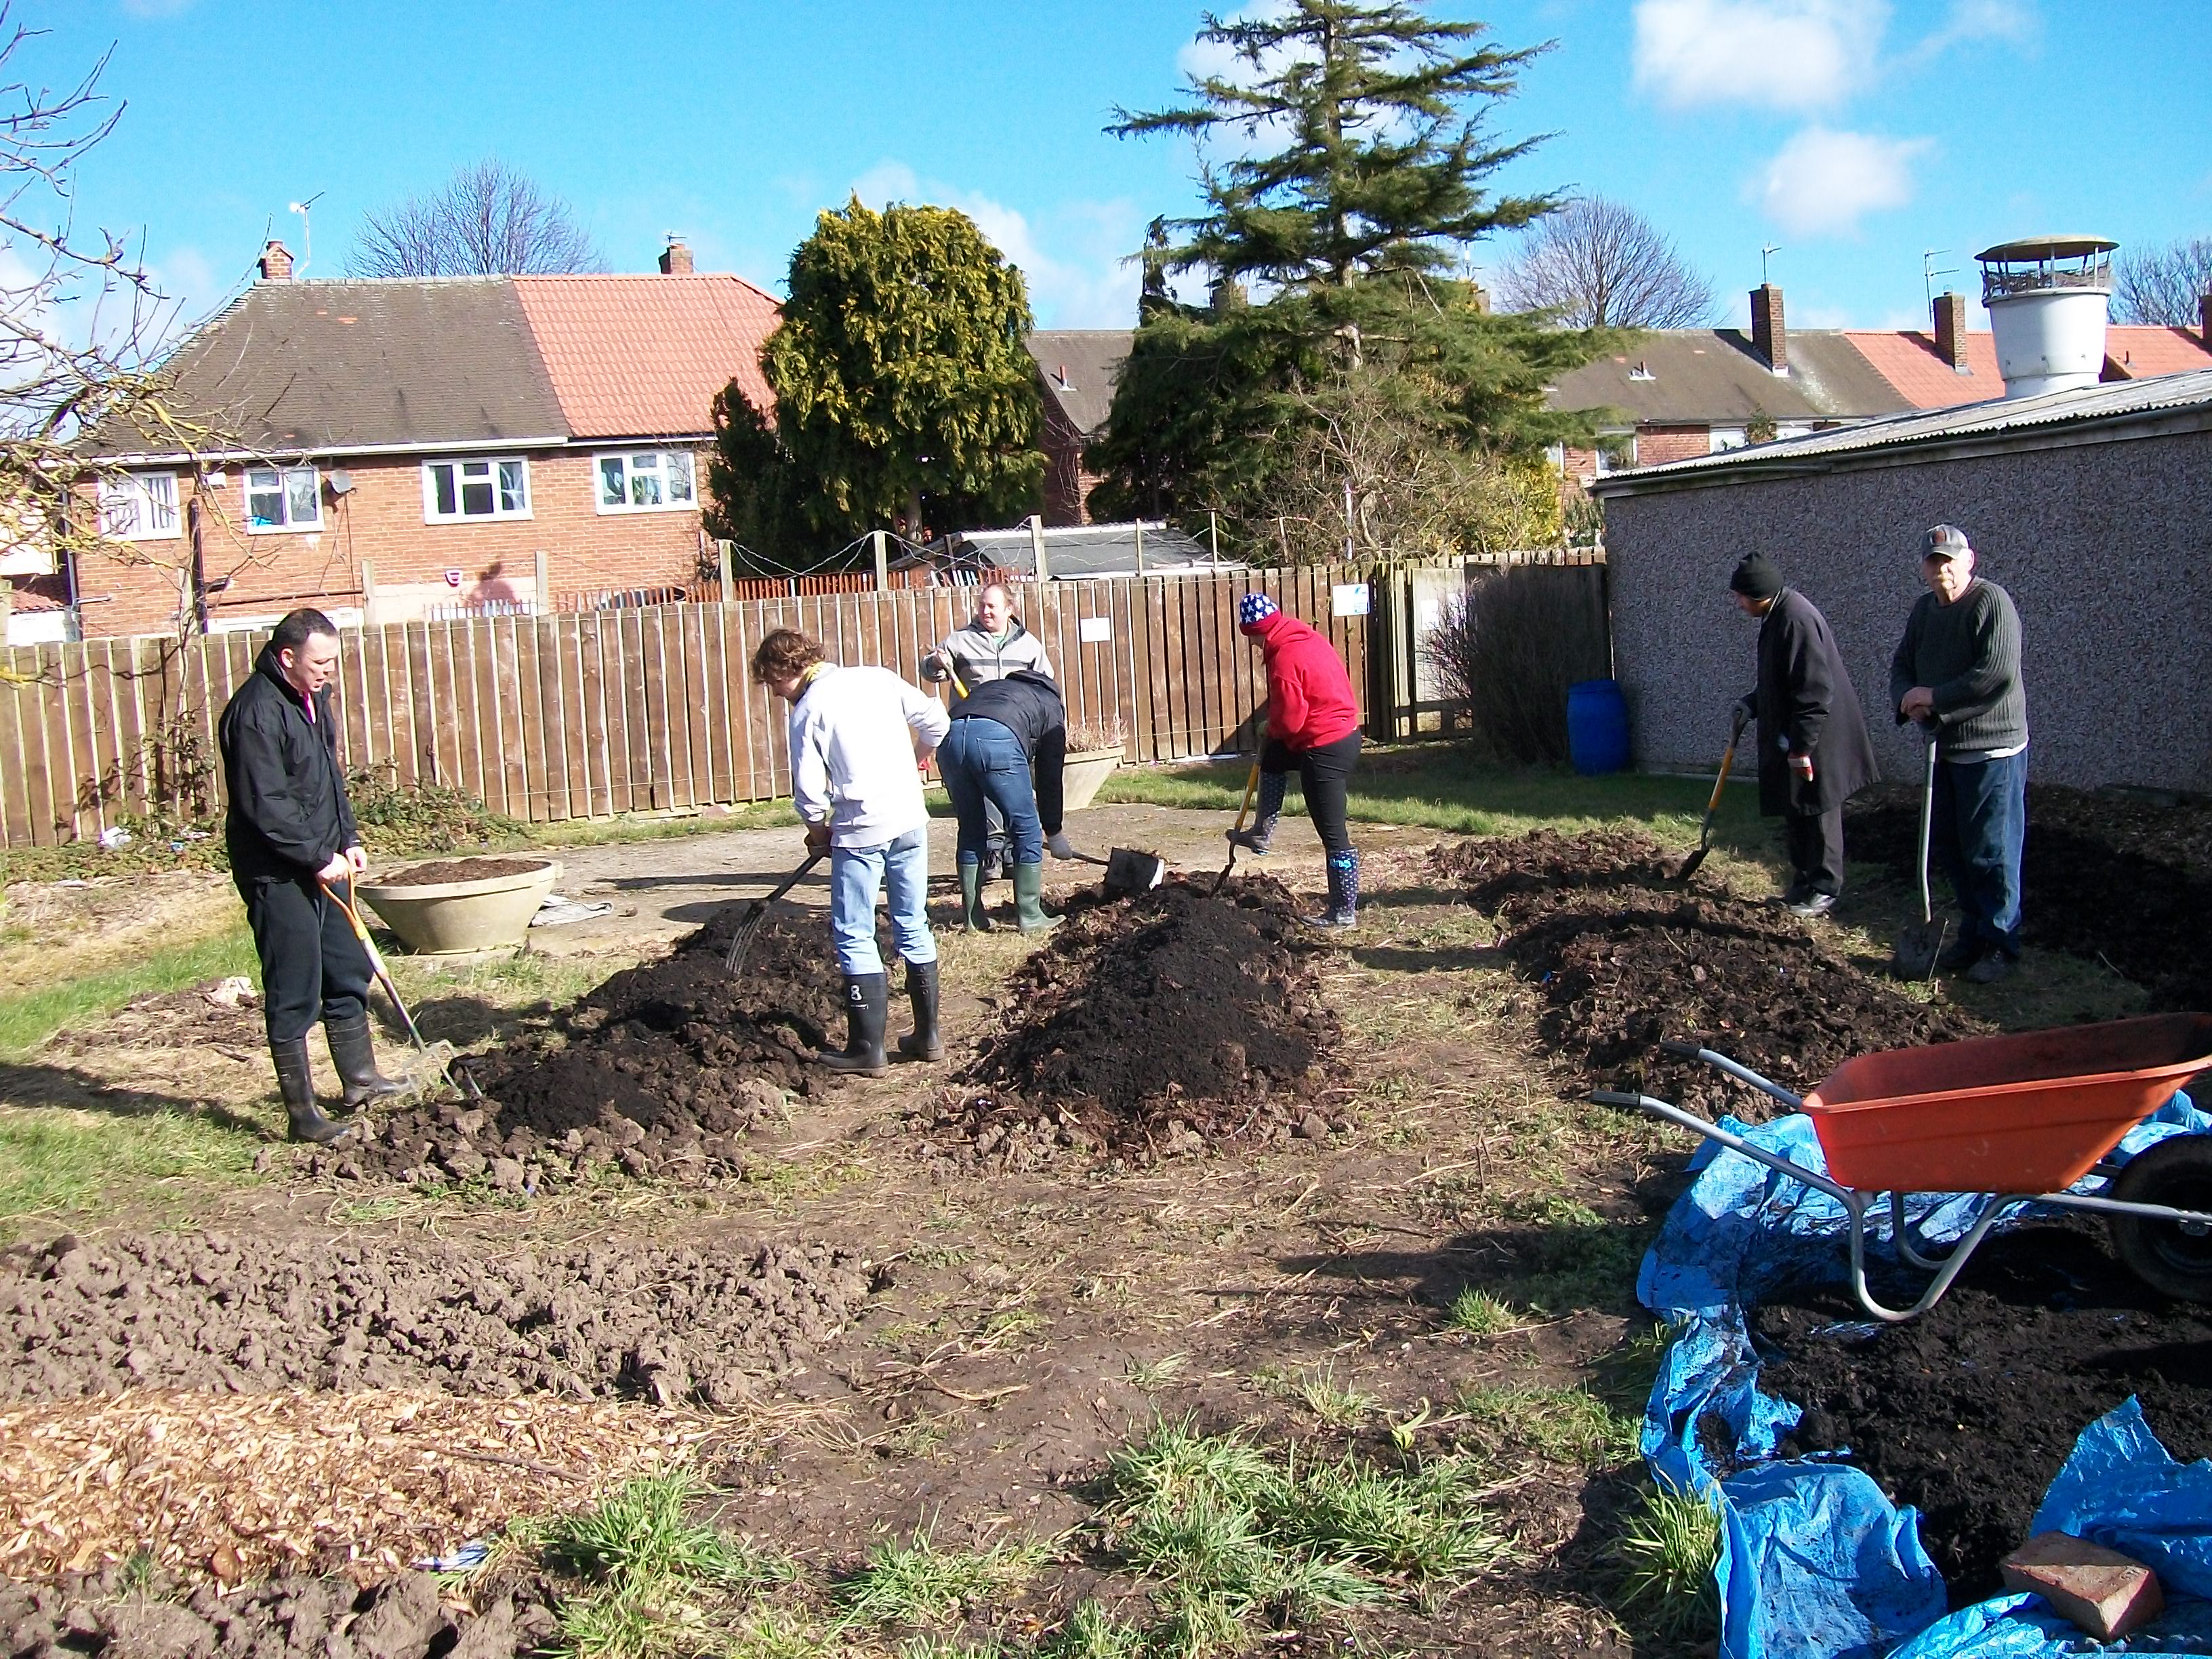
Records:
x=2105, y=1593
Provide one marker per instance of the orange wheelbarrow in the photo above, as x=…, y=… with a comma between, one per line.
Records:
x=2016, y=1119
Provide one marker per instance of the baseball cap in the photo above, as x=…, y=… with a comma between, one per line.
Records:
x=1945, y=541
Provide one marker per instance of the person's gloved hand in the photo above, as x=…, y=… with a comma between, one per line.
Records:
x=1740, y=716
x=1802, y=764
x=1059, y=845
x=817, y=837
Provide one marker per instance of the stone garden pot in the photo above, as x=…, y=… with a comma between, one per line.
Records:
x=465, y=917
x=1082, y=772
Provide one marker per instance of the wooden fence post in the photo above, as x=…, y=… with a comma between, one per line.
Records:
x=1140, y=547
x=881, y=542
x=1037, y=545
x=544, y=585
x=724, y=567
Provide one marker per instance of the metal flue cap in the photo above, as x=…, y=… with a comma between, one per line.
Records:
x=2049, y=247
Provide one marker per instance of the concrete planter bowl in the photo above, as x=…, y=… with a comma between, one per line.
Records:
x=1081, y=773
x=464, y=918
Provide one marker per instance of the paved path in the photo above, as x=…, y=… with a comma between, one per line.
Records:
x=662, y=889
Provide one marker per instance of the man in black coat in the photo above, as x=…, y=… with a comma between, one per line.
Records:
x=290, y=830
x=1814, y=750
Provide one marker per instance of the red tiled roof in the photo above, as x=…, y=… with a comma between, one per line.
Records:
x=643, y=357
x=2134, y=353
x=29, y=593
x=1908, y=360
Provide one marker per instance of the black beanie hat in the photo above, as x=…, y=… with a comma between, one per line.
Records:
x=1757, y=578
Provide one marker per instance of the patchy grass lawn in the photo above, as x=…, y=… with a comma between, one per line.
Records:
x=30, y=1017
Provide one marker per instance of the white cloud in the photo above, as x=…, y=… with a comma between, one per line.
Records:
x=2015, y=21
x=1823, y=182
x=1782, y=54
x=1077, y=268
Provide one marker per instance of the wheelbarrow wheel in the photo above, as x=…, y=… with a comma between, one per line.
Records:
x=2176, y=1172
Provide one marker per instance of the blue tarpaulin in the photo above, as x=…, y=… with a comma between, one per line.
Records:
x=1816, y=1562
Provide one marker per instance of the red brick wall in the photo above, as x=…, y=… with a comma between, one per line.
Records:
x=379, y=523
x=1657, y=445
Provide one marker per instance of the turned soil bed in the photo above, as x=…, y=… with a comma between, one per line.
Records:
x=1160, y=1024
x=1622, y=957
x=1968, y=1412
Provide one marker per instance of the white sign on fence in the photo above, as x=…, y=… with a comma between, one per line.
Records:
x=1348, y=599
x=1091, y=629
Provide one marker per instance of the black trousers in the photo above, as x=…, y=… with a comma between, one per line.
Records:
x=312, y=966
x=1816, y=841
x=1325, y=779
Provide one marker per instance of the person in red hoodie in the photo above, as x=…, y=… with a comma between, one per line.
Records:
x=1313, y=724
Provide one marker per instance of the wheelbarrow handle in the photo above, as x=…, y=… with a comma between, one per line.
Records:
x=1735, y=1069
x=1736, y=1143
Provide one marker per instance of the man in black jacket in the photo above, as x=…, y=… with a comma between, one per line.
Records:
x=290, y=830
x=1002, y=730
x=1814, y=750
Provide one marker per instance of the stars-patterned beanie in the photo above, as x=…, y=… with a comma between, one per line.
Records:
x=1253, y=609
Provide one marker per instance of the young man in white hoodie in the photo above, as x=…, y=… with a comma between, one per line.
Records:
x=858, y=739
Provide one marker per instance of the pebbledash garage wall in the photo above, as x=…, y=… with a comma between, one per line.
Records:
x=2091, y=508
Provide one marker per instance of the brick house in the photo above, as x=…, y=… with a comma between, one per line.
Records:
x=1948, y=364
x=1077, y=369
x=386, y=448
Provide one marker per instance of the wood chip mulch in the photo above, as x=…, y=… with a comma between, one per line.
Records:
x=244, y=1485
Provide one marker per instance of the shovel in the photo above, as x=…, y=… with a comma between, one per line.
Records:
x=437, y=1057
x=1705, y=833
x=1128, y=871
x=1251, y=788
x=1919, y=945
x=755, y=913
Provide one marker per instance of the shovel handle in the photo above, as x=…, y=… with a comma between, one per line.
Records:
x=345, y=901
x=1728, y=760
x=1251, y=789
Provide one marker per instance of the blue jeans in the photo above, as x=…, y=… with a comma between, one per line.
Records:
x=1977, y=831
x=981, y=761
x=857, y=874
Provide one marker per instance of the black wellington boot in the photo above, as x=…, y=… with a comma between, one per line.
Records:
x=1272, y=785
x=925, y=1041
x=1343, y=893
x=353, y=1053
x=867, y=1006
x=295, y=1082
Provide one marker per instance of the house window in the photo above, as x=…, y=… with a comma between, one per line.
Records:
x=455, y=491
x=1725, y=437
x=283, y=498
x=138, y=507
x=646, y=480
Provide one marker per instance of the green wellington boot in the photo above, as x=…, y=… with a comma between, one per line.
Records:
x=1028, y=899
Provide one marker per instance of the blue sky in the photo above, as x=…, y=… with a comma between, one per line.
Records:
x=1853, y=133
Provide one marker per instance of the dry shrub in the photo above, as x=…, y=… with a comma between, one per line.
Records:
x=1510, y=647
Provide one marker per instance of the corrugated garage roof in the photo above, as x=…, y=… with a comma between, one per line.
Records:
x=2026, y=418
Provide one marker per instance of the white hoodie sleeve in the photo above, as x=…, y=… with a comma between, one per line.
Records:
x=925, y=717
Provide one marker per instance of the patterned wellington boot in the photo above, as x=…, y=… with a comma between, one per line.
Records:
x=1343, y=893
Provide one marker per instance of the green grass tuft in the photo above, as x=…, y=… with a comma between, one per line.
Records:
x=56, y=1163
x=1091, y=1632
x=1666, y=1554
x=1478, y=1312
x=1230, y=1532
x=1563, y=1425
x=918, y=1583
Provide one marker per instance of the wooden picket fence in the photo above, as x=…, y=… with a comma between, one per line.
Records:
x=649, y=709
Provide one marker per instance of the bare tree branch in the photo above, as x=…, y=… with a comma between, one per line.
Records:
x=488, y=220
x=1601, y=263
x=2163, y=285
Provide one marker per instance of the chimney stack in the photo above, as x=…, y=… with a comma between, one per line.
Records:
x=1951, y=331
x=276, y=263
x=675, y=257
x=1768, y=335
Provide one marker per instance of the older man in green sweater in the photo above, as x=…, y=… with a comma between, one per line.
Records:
x=1957, y=674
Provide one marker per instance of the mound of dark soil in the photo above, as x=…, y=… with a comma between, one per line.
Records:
x=192, y=1310
x=409, y=1617
x=1969, y=1410
x=2120, y=877
x=1145, y=1024
x=664, y=1069
x=450, y=870
x=1623, y=959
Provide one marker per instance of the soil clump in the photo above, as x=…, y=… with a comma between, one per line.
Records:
x=1968, y=1410
x=450, y=870
x=1623, y=959
x=2120, y=877
x=1153, y=1024
x=197, y=1310
x=408, y=1617
x=665, y=1069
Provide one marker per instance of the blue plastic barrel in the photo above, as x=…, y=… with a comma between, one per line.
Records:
x=1597, y=727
